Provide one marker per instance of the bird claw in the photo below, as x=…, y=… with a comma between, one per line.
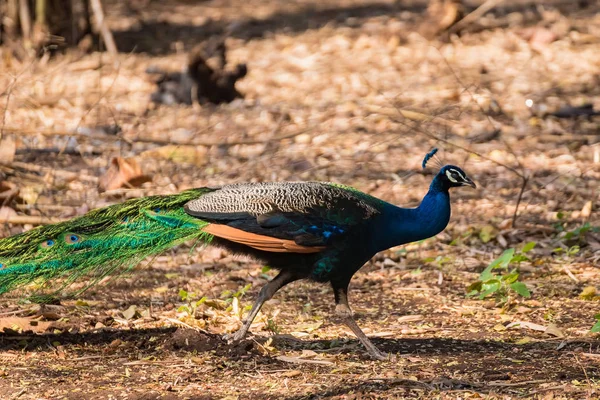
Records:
x=382, y=356
x=234, y=336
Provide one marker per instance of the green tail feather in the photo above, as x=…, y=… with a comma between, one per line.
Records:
x=102, y=242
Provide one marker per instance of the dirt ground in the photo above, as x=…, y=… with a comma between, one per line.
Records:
x=344, y=91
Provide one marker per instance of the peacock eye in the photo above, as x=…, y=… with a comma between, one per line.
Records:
x=72, y=239
x=156, y=210
x=48, y=243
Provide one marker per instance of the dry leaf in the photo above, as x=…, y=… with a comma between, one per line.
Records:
x=292, y=373
x=180, y=154
x=410, y=318
x=551, y=329
x=8, y=149
x=8, y=191
x=540, y=38
x=586, y=211
x=24, y=324
x=123, y=172
x=6, y=213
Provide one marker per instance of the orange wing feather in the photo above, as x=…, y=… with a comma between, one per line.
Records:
x=259, y=242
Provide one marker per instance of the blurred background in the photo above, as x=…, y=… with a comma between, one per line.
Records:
x=106, y=100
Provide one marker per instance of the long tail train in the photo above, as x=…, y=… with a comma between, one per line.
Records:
x=99, y=243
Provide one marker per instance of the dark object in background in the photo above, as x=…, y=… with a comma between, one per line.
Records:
x=543, y=110
x=205, y=80
x=586, y=110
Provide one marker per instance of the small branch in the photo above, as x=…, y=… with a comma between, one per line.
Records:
x=107, y=35
x=40, y=12
x=68, y=175
x=474, y=15
x=569, y=273
x=523, y=186
x=206, y=143
x=30, y=220
x=25, y=18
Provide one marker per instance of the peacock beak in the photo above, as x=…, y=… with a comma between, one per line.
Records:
x=469, y=182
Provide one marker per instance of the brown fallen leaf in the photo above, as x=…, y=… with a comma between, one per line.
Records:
x=410, y=318
x=123, y=172
x=8, y=149
x=551, y=329
x=196, y=155
x=539, y=37
x=6, y=213
x=24, y=324
x=291, y=373
x=440, y=15
x=8, y=192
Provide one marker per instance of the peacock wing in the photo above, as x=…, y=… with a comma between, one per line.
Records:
x=300, y=217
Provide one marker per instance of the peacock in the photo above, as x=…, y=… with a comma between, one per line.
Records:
x=319, y=231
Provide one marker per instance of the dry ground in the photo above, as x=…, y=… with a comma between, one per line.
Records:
x=360, y=95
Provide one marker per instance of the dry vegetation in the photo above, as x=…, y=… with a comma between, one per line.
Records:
x=341, y=91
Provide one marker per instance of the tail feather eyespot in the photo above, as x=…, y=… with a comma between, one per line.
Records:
x=47, y=243
x=71, y=238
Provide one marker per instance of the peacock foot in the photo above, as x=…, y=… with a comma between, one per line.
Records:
x=382, y=356
x=235, y=336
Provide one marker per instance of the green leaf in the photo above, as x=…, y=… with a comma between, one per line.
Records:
x=489, y=288
x=183, y=308
x=510, y=278
x=474, y=287
x=486, y=274
x=505, y=258
x=519, y=258
x=520, y=288
x=487, y=233
x=183, y=294
x=528, y=247
x=265, y=269
x=596, y=327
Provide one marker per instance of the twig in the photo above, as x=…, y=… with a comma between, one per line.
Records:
x=107, y=36
x=505, y=384
x=30, y=220
x=587, y=378
x=474, y=15
x=25, y=19
x=9, y=313
x=57, y=172
x=569, y=273
x=19, y=394
x=178, y=322
x=207, y=143
x=523, y=186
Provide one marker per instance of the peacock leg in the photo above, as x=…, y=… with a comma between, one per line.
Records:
x=268, y=291
x=343, y=311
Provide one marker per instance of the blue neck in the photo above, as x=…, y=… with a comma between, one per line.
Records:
x=405, y=225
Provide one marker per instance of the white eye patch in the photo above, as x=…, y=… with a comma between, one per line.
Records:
x=451, y=178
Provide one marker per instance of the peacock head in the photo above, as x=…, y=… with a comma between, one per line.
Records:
x=449, y=175
x=452, y=176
